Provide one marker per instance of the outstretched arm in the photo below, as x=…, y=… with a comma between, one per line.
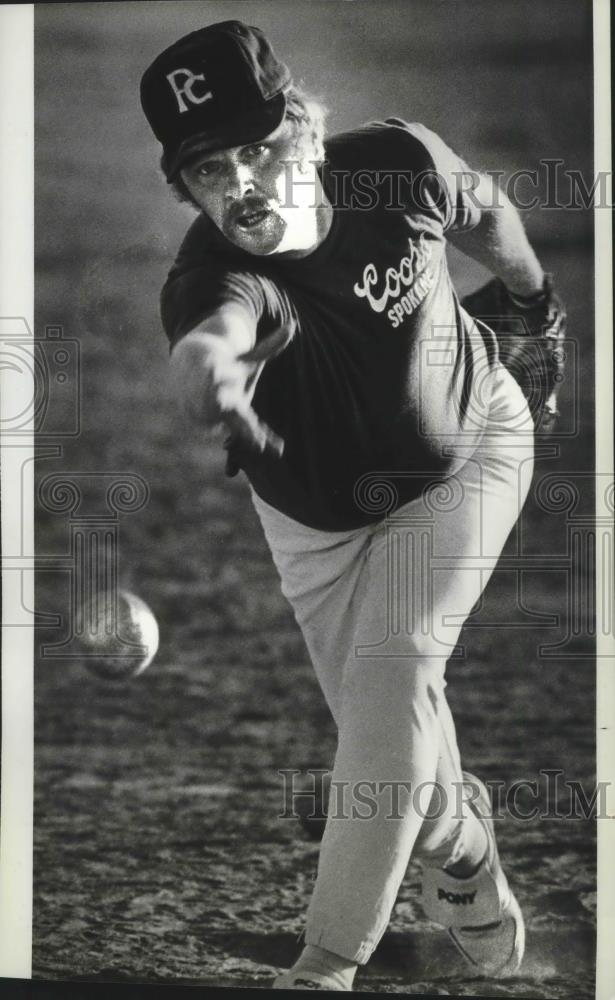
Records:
x=499, y=241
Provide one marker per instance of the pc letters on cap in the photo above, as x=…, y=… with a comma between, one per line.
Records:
x=212, y=88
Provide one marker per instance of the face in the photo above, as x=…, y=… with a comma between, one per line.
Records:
x=247, y=191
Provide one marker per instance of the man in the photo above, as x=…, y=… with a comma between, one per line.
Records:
x=389, y=452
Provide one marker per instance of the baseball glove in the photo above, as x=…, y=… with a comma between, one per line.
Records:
x=530, y=332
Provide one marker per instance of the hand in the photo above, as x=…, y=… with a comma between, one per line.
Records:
x=217, y=386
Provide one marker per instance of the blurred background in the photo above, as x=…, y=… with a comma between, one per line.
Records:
x=159, y=854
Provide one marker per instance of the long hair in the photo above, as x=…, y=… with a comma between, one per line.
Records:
x=307, y=115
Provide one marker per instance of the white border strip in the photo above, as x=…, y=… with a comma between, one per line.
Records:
x=16, y=300
x=605, y=647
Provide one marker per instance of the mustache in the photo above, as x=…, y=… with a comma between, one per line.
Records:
x=253, y=203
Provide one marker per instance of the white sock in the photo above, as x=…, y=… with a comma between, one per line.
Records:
x=326, y=963
x=470, y=848
x=463, y=850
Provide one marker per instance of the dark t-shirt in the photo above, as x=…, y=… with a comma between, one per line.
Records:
x=382, y=389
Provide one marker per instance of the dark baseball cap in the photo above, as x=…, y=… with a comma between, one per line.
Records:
x=215, y=88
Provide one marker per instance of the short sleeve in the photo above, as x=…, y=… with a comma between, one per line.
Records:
x=447, y=183
x=202, y=281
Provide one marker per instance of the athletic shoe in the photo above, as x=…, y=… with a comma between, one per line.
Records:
x=307, y=981
x=480, y=912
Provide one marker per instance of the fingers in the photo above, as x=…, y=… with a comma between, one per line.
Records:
x=226, y=385
x=237, y=415
x=240, y=423
x=271, y=345
x=244, y=425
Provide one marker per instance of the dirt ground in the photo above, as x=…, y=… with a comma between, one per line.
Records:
x=159, y=852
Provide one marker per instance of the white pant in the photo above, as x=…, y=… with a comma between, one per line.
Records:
x=381, y=609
